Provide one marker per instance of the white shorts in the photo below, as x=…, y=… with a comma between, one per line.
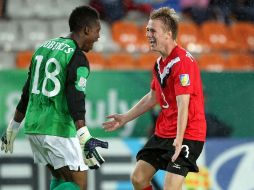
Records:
x=57, y=151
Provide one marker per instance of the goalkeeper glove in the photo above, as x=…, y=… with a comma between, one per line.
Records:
x=88, y=146
x=9, y=136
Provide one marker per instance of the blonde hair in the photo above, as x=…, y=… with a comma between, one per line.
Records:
x=168, y=17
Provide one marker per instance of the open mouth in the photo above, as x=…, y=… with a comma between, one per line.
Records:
x=152, y=42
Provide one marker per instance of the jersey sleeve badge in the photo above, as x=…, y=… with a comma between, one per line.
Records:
x=184, y=79
x=82, y=83
x=82, y=74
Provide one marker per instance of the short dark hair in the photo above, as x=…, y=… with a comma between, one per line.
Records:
x=82, y=16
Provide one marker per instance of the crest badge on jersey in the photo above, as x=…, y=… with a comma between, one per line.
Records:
x=82, y=83
x=82, y=74
x=184, y=79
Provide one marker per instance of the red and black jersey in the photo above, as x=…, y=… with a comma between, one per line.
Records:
x=179, y=74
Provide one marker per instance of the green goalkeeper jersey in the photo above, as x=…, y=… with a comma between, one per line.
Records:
x=47, y=111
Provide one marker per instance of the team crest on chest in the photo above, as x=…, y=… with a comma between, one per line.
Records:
x=162, y=76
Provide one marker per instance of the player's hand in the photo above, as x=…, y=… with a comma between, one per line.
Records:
x=117, y=122
x=178, y=146
x=92, y=162
x=9, y=136
x=92, y=157
x=88, y=145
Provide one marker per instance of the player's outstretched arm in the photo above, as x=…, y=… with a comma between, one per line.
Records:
x=119, y=120
x=116, y=121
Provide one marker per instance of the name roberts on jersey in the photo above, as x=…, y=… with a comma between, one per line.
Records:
x=53, y=45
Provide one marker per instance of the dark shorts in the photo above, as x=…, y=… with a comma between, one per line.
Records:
x=158, y=152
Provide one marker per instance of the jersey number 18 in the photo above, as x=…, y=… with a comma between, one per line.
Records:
x=48, y=76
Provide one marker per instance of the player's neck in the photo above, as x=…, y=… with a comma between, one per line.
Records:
x=168, y=50
x=76, y=38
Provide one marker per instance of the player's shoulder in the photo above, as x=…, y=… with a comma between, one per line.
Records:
x=184, y=55
x=81, y=54
x=79, y=58
x=180, y=51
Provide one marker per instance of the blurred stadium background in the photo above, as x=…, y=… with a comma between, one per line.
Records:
x=220, y=35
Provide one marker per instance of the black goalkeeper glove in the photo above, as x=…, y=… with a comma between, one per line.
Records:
x=88, y=145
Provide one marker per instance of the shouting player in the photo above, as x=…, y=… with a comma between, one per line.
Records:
x=181, y=127
x=53, y=105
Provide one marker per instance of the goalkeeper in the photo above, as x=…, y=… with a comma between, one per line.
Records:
x=53, y=105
